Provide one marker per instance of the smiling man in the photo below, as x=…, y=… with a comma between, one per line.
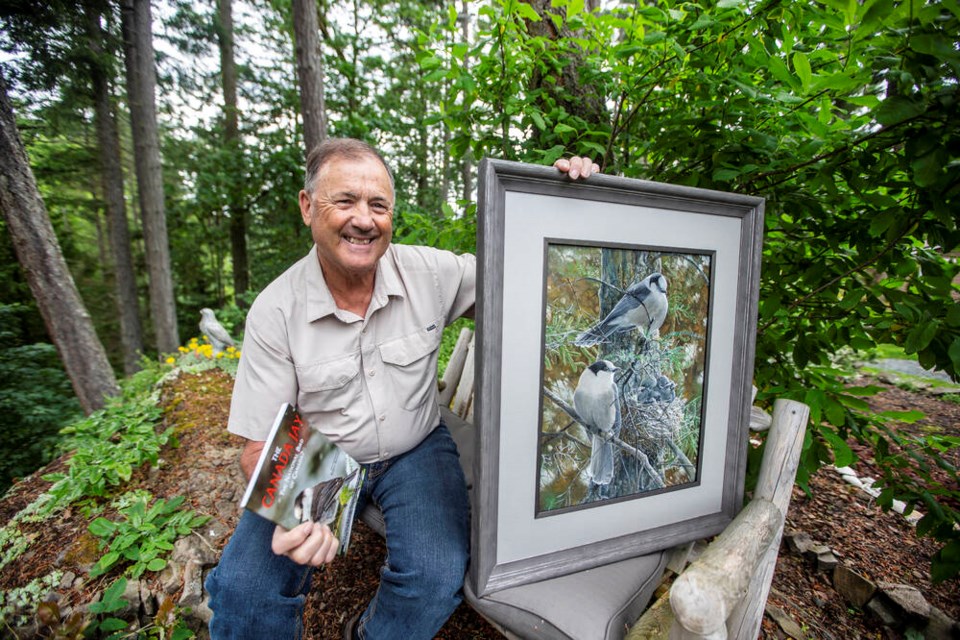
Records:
x=351, y=335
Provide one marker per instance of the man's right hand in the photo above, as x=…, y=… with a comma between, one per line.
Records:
x=308, y=543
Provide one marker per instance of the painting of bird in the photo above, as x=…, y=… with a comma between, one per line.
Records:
x=643, y=306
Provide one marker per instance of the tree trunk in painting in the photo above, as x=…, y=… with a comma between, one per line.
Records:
x=38, y=251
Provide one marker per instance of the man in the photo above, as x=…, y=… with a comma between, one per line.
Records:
x=350, y=333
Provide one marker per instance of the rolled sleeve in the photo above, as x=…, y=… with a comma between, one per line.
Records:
x=460, y=280
x=266, y=376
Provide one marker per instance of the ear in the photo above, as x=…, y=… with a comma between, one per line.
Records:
x=305, y=208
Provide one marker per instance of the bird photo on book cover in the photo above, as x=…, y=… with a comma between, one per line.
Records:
x=301, y=476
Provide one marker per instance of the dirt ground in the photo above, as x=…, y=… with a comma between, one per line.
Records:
x=882, y=546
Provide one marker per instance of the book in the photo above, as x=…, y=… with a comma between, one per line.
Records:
x=302, y=476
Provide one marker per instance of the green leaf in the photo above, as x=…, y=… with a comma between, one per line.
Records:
x=802, y=66
x=954, y=353
x=537, y=120
x=843, y=455
x=113, y=624
x=904, y=416
x=897, y=109
x=526, y=12
x=156, y=564
x=102, y=528
x=105, y=563
x=725, y=175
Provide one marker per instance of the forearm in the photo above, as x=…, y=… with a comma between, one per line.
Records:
x=249, y=456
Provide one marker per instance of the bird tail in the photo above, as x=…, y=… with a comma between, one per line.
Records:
x=601, y=461
x=593, y=335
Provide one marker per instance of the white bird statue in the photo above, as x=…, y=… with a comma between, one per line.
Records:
x=216, y=334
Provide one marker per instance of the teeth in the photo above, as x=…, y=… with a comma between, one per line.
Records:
x=358, y=240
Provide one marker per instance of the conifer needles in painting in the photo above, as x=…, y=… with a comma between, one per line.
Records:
x=624, y=356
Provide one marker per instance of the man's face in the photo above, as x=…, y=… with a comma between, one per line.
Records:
x=350, y=215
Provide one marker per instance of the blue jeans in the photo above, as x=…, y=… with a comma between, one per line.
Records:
x=422, y=494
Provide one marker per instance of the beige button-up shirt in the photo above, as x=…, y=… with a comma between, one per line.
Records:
x=369, y=384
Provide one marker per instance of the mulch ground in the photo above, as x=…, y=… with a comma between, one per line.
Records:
x=880, y=545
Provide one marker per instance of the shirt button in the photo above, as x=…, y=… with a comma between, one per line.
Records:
x=343, y=412
x=371, y=373
x=382, y=418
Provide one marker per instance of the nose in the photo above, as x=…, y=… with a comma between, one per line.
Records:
x=363, y=217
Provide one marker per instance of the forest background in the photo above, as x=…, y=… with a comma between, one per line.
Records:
x=843, y=114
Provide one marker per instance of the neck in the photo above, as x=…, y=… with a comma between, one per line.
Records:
x=351, y=291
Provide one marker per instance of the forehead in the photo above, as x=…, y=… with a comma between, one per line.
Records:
x=343, y=172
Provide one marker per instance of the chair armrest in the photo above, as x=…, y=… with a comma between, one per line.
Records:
x=703, y=596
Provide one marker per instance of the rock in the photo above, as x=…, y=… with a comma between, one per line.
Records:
x=799, y=542
x=215, y=531
x=132, y=595
x=787, y=624
x=194, y=547
x=171, y=577
x=67, y=581
x=881, y=611
x=855, y=589
x=192, y=585
x=203, y=612
x=941, y=626
x=827, y=561
x=908, y=602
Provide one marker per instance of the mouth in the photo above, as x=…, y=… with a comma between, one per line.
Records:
x=358, y=241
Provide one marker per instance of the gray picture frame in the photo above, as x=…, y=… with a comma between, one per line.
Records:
x=520, y=206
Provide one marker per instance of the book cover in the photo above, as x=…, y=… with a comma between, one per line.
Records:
x=302, y=476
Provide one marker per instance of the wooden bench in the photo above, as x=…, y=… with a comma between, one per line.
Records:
x=720, y=594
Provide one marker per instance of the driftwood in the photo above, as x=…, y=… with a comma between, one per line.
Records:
x=722, y=594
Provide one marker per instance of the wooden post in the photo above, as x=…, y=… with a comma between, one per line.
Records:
x=451, y=375
x=777, y=474
x=703, y=596
x=724, y=592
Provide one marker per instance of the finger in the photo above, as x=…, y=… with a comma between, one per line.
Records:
x=305, y=552
x=586, y=167
x=284, y=540
x=562, y=164
x=576, y=167
x=328, y=549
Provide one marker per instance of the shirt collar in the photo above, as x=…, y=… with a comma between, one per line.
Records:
x=320, y=301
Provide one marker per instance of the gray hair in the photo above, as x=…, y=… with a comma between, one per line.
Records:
x=331, y=148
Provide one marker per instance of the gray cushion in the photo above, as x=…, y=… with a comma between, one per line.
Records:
x=588, y=605
x=596, y=604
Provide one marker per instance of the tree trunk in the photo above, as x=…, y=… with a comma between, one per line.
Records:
x=466, y=169
x=38, y=251
x=111, y=174
x=576, y=97
x=309, y=72
x=141, y=86
x=238, y=211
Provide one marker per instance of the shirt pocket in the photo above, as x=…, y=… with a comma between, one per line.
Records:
x=411, y=364
x=328, y=386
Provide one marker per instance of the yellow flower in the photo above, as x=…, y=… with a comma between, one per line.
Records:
x=220, y=355
x=170, y=360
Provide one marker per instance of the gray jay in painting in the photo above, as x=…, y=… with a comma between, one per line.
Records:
x=595, y=399
x=643, y=306
x=218, y=336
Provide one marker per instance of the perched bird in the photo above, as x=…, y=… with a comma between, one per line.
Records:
x=319, y=502
x=214, y=331
x=595, y=399
x=643, y=306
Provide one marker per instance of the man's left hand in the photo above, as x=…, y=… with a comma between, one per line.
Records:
x=577, y=167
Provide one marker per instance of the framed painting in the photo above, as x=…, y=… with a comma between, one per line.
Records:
x=616, y=325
